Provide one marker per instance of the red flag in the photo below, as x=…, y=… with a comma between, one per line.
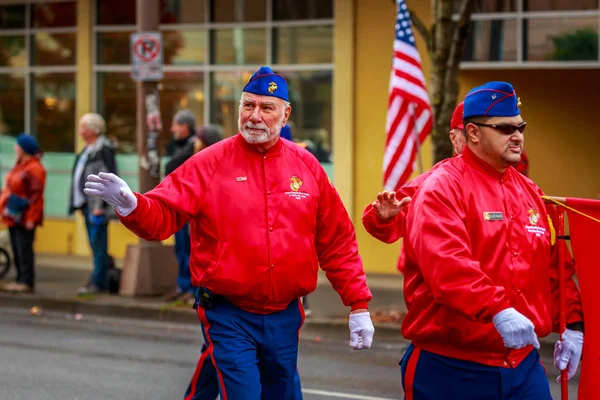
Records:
x=585, y=241
x=409, y=116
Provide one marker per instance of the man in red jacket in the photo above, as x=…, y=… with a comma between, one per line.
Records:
x=480, y=278
x=263, y=217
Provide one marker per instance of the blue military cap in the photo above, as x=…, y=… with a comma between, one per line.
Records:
x=494, y=99
x=286, y=132
x=265, y=82
x=28, y=144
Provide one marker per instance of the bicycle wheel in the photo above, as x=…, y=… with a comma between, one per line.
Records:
x=4, y=262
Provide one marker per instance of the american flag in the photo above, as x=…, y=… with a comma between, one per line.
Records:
x=409, y=115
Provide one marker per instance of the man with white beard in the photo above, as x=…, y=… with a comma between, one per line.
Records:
x=263, y=217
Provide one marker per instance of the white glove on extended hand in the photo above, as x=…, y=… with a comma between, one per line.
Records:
x=516, y=330
x=361, y=330
x=112, y=190
x=567, y=352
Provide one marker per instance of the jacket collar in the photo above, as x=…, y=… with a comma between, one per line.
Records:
x=273, y=151
x=474, y=161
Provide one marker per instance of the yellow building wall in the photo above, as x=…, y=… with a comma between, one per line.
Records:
x=562, y=138
x=375, y=20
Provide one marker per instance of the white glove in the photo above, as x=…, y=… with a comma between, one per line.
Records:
x=113, y=190
x=516, y=330
x=361, y=330
x=567, y=352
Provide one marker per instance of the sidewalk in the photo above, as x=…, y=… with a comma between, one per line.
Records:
x=58, y=277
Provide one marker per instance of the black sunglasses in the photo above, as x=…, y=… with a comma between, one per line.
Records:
x=506, y=129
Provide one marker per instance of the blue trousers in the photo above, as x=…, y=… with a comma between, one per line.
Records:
x=255, y=356
x=428, y=376
x=98, y=237
x=182, y=252
x=205, y=384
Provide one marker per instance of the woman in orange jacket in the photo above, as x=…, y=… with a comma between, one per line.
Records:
x=22, y=209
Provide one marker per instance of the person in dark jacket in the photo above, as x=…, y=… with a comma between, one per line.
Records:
x=97, y=156
x=183, y=129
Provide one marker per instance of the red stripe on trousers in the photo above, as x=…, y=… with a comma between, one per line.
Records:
x=409, y=374
x=197, y=375
x=210, y=349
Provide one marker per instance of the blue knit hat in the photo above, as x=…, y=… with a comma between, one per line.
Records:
x=286, y=132
x=265, y=82
x=28, y=144
x=494, y=99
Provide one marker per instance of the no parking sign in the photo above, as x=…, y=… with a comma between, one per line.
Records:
x=146, y=56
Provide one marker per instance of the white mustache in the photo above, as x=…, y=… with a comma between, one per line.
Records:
x=250, y=125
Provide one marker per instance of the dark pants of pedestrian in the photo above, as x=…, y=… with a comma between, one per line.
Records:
x=429, y=376
x=21, y=242
x=255, y=355
x=205, y=383
x=182, y=251
x=98, y=238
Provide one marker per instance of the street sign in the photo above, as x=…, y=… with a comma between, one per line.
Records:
x=146, y=56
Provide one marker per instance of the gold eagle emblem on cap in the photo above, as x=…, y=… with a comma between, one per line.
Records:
x=272, y=87
x=518, y=102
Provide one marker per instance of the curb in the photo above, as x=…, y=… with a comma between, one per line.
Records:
x=313, y=327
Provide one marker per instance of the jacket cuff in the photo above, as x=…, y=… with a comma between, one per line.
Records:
x=359, y=304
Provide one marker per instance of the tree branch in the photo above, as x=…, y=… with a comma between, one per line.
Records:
x=419, y=25
x=458, y=41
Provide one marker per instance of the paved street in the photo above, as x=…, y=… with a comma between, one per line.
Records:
x=59, y=356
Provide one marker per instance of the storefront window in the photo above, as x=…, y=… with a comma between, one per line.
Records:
x=304, y=45
x=181, y=11
x=117, y=103
x=53, y=15
x=12, y=104
x=12, y=51
x=53, y=48
x=564, y=39
x=311, y=119
x=226, y=89
x=12, y=17
x=184, y=47
x=53, y=111
x=559, y=5
x=489, y=6
x=239, y=46
x=113, y=48
x=239, y=10
x=307, y=9
x=492, y=41
x=115, y=12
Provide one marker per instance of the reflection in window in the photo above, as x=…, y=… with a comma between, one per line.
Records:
x=239, y=46
x=559, y=5
x=115, y=12
x=12, y=17
x=565, y=39
x=117, y=103
x=12, y=51
x=12, y=104
x=53, y=15
x=226, y=89
x=306, y=45
x=492, y=41
x=184, y=47
x=181, y=11
x=238, y=10
x=53, y=49
x=307, y=9
x=311, y=119
x=113, y=48
x=53, y=111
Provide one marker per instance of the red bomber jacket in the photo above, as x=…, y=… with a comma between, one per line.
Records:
x=479, y=242
x=261, y=224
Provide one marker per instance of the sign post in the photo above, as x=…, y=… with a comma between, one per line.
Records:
x=150, y=268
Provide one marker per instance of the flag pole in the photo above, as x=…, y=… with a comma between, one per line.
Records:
x=564, y=383
x=417, y=141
